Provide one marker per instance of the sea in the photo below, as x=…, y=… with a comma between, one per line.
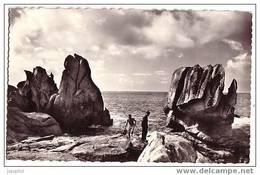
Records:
x=120, y=104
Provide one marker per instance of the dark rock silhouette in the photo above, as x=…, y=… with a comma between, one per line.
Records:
x=11, y=89
x=15, y=99
x=34, y=93
x=196, y=100
x=39, y=87
x=78, y=103
x=20, y=125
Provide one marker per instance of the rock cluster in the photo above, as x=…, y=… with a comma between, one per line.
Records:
x=37, y=107
x=196, y=101
x=27, y=107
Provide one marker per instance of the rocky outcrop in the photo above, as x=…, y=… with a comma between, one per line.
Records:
x=20, y=125
x=196, y=101
x=202, y=118
x=78, y=103
x=84, y=148
x=39, y=87
x=34, y=93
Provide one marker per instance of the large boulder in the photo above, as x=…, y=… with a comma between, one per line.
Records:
x=78, y=102
x=20, y=125
x=196, y=101
x=168, y=148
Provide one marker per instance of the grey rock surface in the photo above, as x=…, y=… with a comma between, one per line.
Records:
x=183, y=147
x=82, y=148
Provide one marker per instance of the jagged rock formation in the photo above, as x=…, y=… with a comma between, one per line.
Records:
x=34, y=93
x=25, y=104
x=76, y=105
x=78, y=102
x=196, y=101
x=20, y=125
x=39, y=87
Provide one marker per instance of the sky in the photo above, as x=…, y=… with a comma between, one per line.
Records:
x=130, y=49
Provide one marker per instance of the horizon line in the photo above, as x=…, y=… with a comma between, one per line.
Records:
x=241, y=92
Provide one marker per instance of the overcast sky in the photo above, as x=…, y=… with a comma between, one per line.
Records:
x=130, y=49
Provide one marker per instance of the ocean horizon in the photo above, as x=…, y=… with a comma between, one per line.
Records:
x=107, y=91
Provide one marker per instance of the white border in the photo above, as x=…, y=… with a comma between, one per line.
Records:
x=249, y=8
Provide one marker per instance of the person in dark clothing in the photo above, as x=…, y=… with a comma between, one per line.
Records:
x=145, y=126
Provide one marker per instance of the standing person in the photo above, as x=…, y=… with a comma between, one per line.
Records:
x=131, y=123
x=145, y=126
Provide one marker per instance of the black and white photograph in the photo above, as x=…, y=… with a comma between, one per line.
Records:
x=129, y=85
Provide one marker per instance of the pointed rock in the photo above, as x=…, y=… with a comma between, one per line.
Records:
x=231, y=96
x=29, y=74
x=78, y=103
